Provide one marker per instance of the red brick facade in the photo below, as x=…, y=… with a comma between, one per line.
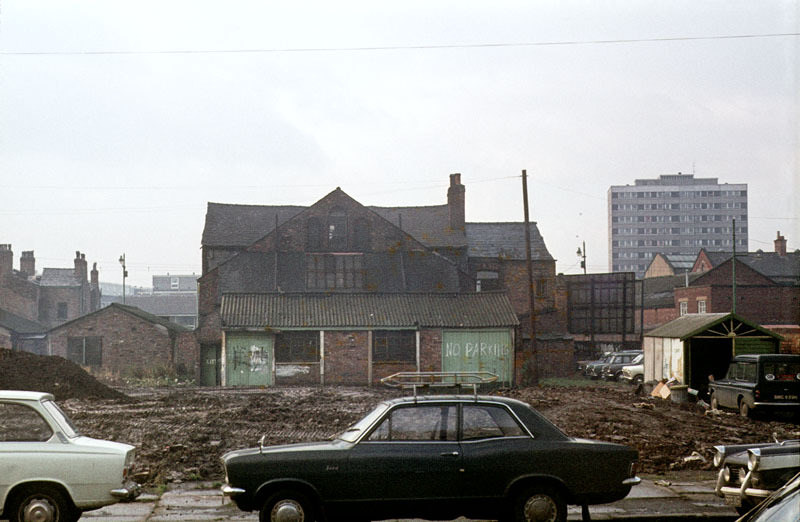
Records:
x=131, y=345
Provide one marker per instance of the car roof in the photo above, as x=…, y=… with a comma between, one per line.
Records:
x=25, y=395
x=767, y=357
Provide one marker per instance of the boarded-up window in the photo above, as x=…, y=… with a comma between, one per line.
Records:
x=361, y=235
x=86, y=351
x=297, y=347
x=394, y=346
x=313, y=234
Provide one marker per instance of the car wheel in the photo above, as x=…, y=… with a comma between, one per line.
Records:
x=714, y=402
x=618, y=376
x=639, y=379
x=540, y=504
x=42, y=504
x=744, y=408
x=287, y=506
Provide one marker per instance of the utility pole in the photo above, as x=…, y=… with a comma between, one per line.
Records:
x=124, y=275
x=531, y=302
x=582, y=256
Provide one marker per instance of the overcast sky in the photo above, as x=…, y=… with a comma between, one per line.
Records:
x=120, y=120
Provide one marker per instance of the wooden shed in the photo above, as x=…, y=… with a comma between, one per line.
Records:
x=694, y=346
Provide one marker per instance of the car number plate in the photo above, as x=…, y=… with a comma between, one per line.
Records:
x=733, y=500
x=786, y=397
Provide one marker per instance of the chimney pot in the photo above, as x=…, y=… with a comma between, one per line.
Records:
x=780, y=245
x=456, y=202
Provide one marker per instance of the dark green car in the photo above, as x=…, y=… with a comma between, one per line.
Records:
x=437, y=457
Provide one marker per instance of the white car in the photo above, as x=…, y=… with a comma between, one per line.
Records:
x=634, y=373
x=48, y=471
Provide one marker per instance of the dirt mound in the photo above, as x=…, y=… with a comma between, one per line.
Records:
x=52, y=374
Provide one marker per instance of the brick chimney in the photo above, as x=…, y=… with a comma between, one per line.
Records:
x=27, y=263
x=95, y=276
x=81, y=272
x=780, y=245
x=6, y=260
x=455, y=202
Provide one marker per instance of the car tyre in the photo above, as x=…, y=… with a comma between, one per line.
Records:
x=44, y=503
x=287, y=506
x=639, y=379
x=618, y=376
x=744, y=408
x=540, y=504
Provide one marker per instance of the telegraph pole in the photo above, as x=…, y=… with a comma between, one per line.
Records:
x=534, y=355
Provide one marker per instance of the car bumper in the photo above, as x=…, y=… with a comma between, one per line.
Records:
x=736, y=495
x=129, y=491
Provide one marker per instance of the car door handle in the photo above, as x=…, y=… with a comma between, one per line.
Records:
x=450, y=454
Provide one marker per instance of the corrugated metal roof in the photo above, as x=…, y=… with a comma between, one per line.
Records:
x=477, y=310
x=685, y=325
x=690, y=325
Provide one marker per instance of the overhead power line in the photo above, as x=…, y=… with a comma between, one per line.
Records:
x=402, y=47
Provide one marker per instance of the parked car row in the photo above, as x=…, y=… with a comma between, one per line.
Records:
x=610, y=366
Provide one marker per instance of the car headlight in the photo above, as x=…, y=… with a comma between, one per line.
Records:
x=753, y=458
x=726, y=474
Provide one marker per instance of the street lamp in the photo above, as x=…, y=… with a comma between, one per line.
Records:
x=124, y=275
x=582, y=256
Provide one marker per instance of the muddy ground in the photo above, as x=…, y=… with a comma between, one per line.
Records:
x=181, y=433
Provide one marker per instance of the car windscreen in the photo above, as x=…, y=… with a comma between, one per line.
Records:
x=61, y=418
x=352, y=433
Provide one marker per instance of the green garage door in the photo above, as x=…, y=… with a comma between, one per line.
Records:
x=248, y=359
x=478, y=350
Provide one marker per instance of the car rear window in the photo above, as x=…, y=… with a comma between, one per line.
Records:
x=20, y=423
x=483, y=421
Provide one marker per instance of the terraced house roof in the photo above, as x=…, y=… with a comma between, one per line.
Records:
x=362, y=310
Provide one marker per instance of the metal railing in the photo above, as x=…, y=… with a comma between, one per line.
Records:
x=406, y=380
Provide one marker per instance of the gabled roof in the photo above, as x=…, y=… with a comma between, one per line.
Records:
x=781, y=269
x=137, y=312
x=428, y=225
x=59, y=277
x=659, y=292
x=19, y=324
x=362, y=310
x=690, y=325
x=506, y=240
x=229, y=225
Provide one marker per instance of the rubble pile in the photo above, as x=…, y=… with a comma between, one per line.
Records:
x=64, y=379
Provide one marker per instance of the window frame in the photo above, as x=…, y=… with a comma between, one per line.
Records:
x=382, y=342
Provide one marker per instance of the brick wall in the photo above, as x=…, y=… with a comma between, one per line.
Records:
x=19, y=296
x=346, y=359
x=555, y=358
x=759, y=304
x=187, y=355
x=130, y=345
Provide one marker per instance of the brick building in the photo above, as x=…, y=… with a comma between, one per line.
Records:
x=55, y=296
x=121, y=340
x=339, y=246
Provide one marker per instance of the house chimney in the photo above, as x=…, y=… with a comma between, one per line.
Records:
x=80, y=266
x=6, y=260
x=95, y=276
x=27, y=263
x=780, y=245
x=455, y=202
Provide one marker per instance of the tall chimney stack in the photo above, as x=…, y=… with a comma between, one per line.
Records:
x=455, y=202
x=6, y=260
x=27, y=263
x=780, y=245
x=81, y=271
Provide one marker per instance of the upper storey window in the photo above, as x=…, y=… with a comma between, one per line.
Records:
x=313, y=234
x=337, y=230
x=361, y=235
